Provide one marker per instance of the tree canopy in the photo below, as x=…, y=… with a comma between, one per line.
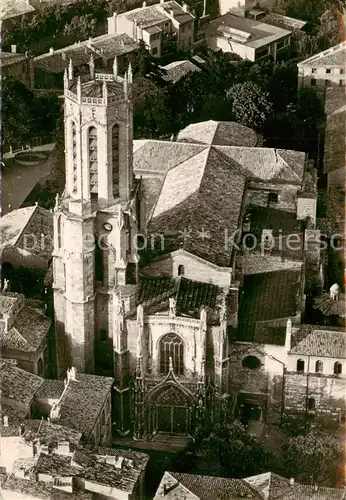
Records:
x=313, y=458
x=250, y=104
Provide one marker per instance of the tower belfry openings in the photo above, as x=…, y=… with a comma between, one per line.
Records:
x=89, y=228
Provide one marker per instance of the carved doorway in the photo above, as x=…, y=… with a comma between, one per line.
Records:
x=173, y=411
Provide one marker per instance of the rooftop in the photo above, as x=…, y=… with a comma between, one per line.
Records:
x=50, y=389
x=17, y=384
x=178, y=69
x=107, y=46
x=83, y=400
x=316, y=341
x=31, y=222
x=154, y=294
x=14, y=8
x=28, y=331
x=30, y=488
x=288, y=23
x=176, y=485
x=158, y=14
x=112, y=467
x=268, y=296
x=204, y=193
x=335, y=56
x=9, y=58
x=49, y=433
x=16, y=416
x=219, y=134
x=245, y=31
x=330, y=307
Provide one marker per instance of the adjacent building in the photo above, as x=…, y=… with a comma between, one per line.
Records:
x=98, y=52
x=24, y=333
x=176, y=70
x=81, y=474
x=250, y=39
x=17, y=67
x=82, y=402
x=268, y=486
x=323, y=70
x=164, y=27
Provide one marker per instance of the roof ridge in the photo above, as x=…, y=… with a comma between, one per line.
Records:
x=25, y=226
x=286, y=164
x=20, y=335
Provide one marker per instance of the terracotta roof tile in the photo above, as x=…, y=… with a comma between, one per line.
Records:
x=316, y=341
x=17, y=384
x=219, y=134
x=335, y=56
x=178, y=69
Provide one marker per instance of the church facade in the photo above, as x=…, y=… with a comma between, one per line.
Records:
x=150, y=268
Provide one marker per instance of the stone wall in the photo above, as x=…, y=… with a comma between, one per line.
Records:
x=328, y=392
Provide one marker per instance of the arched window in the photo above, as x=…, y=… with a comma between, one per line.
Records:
x=181, y=270
x=40, y=367
x=319, y=366
x=337, y=368
x=74, y=156
x=115, y=159
x=171, y=346
x=93, y=159
x=300, y=365
x=251, y=362
x=311, y=404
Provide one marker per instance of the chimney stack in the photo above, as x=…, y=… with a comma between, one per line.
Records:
x=171, y=12
x=112, y=24
x=51, y=50
x=292, y=481
x=185, y=7
x=5, y=421
x=14, y=49
x=144, y=4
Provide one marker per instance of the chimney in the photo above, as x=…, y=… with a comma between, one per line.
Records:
x=171, y=12
x=51, y=50
x=5, y=421
x=112, y=24
x=185, y=7
x=144, y=4
x=292, y=481
x=14, y=49
x=288, y=335
x=162, y=1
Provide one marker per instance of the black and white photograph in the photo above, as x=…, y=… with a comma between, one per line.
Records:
x=172, y=260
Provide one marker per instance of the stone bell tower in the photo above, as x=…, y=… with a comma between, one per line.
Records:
x=95, y=220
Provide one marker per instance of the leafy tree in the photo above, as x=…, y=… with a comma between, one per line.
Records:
x=151, y=111
x=306, y=45
x=250, y=105
x=329, y=32
x=313, y=458
x=229, y=450
x=81, y=27
x=17, y=119
x=144, y=65
x=311, y=10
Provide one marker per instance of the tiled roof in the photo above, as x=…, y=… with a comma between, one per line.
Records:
x=8, y=300
x=271, y=484
x=205, y=487
x=335, y=100
x=335, y=144
x=30, y=223
x=158, y=14
x=265, y=333
x=110, y=46
x=315, y=341
x=257, y=163
x=50, y=389
x=191, y=296
x=140, y=459
x=272, y=218
x=114, y=468
x=9, y=58
x=219, y=134
x=203, y=194
x=94, y=88
x=330, y=307
x=335, y=56
x=258, y=33
x=49, y=433
x=83, y=400
x=178, y=69
x=17, y=384
x=14, y=8
x=16, y=416
x=268, y=296
x=30, y=488
x=29, y=330
x=288, y=23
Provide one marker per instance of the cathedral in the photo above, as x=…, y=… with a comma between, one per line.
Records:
x=147, y=263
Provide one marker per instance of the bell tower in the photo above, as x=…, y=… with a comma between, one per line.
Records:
x=95, y=220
